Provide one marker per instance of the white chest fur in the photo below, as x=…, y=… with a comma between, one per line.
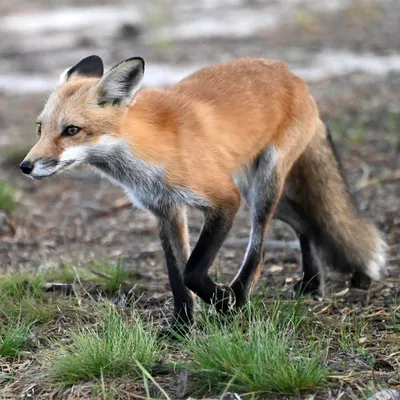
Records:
x=145, y=184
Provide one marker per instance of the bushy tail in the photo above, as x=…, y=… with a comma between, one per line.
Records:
x=348, y=242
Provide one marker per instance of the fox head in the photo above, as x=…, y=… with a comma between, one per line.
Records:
x=81, y=113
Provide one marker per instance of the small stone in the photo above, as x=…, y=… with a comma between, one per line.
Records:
x=386, y=394
x=181, y=384
x=275, y=269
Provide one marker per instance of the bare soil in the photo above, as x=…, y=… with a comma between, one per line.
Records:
x=78, y=218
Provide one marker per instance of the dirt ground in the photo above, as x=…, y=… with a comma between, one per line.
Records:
x=75, y=217
x=78, y=218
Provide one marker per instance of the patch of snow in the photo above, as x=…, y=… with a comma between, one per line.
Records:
x=324, y=65
x=336, y=63
x=98, y=18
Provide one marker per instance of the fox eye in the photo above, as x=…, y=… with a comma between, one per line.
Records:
x=70, y=130
x=38, y=128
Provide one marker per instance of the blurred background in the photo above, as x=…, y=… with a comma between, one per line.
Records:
x=347, y=50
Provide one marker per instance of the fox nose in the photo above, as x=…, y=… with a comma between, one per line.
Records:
x=26, y=167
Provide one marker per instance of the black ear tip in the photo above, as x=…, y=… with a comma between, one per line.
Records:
x=138, y=60
x=93, y=58
x=141, y=61
x=89, y=66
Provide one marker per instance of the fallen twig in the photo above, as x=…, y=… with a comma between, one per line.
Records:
x=65, y=288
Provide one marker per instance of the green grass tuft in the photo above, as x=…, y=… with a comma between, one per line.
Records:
x=67, y=273
x=23, y=296
x=29, y=307
x=18, y=286
x=7, y=193
x=13, y=335
x=115, y=272
x=112, y=348
x=259, y=351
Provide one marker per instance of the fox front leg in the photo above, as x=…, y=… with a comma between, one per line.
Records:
x=175, y=243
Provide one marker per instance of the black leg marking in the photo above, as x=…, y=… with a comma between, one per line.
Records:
x=264, y=196
x=360, y=281
x=216, y=227
x=173, y=237
x=312, y=281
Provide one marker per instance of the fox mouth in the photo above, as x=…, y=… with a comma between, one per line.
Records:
x=59, y=168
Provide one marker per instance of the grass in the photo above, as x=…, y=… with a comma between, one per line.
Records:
x=114, y=275
x=22, y=296
x=7, y=194
x=14, y=334
x=355, y=128
x=112, y=348
x=111, y=274
x=29, y=307
x=351, y=334
x=347, y=128
x=67, y=273
x=17, y=285
x=259, y=351
x=83, y=345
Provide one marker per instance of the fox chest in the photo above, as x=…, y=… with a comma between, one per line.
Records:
x=146, y=185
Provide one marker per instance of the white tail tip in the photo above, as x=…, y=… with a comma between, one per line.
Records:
x=376, y=266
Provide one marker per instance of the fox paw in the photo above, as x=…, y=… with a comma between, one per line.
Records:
x=360, y=281
x=310, y=288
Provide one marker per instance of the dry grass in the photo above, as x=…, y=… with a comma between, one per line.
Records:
x=57, y=344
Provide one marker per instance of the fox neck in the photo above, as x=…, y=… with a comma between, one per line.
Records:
x=144, y=183
x=114, y=160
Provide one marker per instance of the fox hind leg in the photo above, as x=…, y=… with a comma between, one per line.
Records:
x=217, y=224
x=312, y=281
x=262, y=198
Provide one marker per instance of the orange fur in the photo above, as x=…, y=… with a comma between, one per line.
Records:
x=216, y=121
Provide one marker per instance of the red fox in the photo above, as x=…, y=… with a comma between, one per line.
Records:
x=245, y=129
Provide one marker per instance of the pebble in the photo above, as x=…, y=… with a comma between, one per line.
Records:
x=386, y=394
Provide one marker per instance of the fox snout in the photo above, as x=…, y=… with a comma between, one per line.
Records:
x=40, y=168
x=26, y=167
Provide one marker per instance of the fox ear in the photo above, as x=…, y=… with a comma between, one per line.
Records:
x=91, y=66
x=121, y=83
